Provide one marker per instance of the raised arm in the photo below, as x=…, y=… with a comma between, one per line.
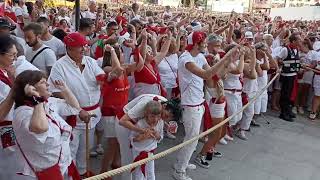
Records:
x=164, y=49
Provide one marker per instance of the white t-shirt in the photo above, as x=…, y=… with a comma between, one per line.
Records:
x=168, y=69
x=56, y=45
x=21, y=64
x=90, y=15
x=191, y=85
x=135, y=108
x=45, y=59
x=43, y=150
x=148, y=144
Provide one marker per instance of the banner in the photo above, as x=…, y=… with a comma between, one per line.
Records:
x=262, y=4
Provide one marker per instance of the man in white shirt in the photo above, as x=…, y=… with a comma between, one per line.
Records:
x=92, y=12
x=21, y=64
x=63, y=15
x=192, y=70
x=38, y=54
x=54, y=43
x=80, y=74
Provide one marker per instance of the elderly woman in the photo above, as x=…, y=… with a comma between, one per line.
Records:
x=42, y=135
x=9, y=163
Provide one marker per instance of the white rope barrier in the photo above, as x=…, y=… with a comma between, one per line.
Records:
x=179, y=146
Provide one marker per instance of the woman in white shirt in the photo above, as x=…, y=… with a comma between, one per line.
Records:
x=42, y=135
x=168, y=68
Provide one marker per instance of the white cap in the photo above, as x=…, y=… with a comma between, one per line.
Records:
x=248, y=35
x=197, y=27
x=316, y=46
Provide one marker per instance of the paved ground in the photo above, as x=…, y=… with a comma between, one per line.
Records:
x=276, y=151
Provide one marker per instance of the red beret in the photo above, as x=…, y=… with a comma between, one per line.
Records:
x=74, y=40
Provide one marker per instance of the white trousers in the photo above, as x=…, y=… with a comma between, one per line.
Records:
x=247, y=114
x=234, y=104
x=143, y=88
x=217, y=110
x=9, y=165
x=122, y=134
x=78, y=147
x=192, y=118
x=261, y=104
x=149, y=169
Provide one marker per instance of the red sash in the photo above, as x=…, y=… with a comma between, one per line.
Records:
x=207, y=120
x=142, y=155
x=245, y=98
x=295, y=89
x=72, y=120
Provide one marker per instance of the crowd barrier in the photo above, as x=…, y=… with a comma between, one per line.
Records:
x=179, y=146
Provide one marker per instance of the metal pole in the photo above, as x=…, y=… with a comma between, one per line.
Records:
x=77, y=3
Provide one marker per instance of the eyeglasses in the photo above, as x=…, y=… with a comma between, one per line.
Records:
x=12, y=54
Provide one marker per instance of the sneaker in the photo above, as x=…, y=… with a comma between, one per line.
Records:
x=180, y=176
x=93, y=153
x=228, y=138
x=169, y=135
x=312, y=116
x=217, y=154
x=100, y=149
x=190, y=166
x=295, y=110
x=223, y=141
x=202, y=162
x=241, y=135
x=301, y=110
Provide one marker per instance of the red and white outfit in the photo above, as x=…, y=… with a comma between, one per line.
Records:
x=10, y=162
x=217, y=109
x=261, y=103
x=233, y=90
x=250, y=88
x=147, y=81
x=144, y=149
x=135, y=110
x=192, y=100
x=115, y=96
x=45, y=150
x=85, y=87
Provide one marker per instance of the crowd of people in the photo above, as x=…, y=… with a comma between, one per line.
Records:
x=124, y=76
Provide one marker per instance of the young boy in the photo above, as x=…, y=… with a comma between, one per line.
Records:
x=144, y=144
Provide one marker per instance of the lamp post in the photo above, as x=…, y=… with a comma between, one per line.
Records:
x=77, y=3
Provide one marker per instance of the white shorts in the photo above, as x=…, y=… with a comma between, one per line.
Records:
x=307, y=77
x=217, y=110
x=109, y=128
x=100, y=125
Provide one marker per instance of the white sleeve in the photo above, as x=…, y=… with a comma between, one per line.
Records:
x=55, y=74
x=63, y=108
x=18, y=12
x=283, y=53
x=96, y=69
x=50, y=58
x=137, y=111
x=187, y=58
x=23, y=115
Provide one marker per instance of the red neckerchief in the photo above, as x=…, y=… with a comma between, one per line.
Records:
x=292, y=46
x=5, y=79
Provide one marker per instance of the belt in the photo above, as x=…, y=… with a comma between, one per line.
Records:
x=5, y=123
x=194, y=105
x=72, y=120
x=142, y=155
x=233, y=90
x=90, y=108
